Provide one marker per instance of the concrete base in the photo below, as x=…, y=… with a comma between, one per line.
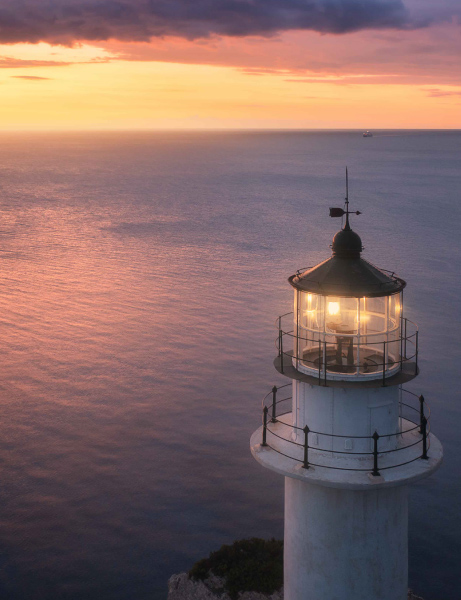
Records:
x=345, y=545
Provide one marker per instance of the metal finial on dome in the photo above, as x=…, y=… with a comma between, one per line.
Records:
x=346, y=242
x=347, y=226
x=340, y=212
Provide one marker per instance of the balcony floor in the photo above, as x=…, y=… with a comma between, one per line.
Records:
x=338, y=470
x=407, y=373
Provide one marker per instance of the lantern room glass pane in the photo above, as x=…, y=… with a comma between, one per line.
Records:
x=394, y=311
x=374, y=315
x=341, y=315
x=347, y=336
x=311, y=311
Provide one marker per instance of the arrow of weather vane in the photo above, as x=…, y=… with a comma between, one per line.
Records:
x=339, y=212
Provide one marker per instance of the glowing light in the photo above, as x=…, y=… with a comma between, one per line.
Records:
x=333, y=308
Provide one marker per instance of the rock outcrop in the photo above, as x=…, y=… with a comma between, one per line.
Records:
x=182, y=587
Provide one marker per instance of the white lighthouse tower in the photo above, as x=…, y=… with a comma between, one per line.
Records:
x=345, y=434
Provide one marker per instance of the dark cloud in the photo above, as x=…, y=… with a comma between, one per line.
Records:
x=69, y=21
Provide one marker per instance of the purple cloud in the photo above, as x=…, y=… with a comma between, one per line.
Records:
x=69, y=21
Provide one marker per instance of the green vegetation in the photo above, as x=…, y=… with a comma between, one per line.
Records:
x=248, y=565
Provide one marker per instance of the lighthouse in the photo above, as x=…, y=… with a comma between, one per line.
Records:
x=344, y=431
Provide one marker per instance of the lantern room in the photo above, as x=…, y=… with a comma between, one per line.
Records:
x=352, y=336
x=348, y=320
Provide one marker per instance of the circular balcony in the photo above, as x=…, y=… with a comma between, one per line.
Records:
x=383, y=458
x=341, y=355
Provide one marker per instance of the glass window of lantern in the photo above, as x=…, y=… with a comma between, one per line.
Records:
x=311, y=312
x=374, y=315
x=394, y=311
x=310, y=323
x=341, y=315
x=363, y=317
x=394, y=332
x=350, y=335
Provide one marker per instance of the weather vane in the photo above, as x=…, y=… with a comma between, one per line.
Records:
x=340, y=212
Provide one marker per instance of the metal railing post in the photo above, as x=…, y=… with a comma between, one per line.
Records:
x=325, y=363
x=401, y=330
x=421, y=413
x=375, y=472
x=265, y=410
x=384, y=364
x=297, y=330
x=306, y=447
x=320, y=362
x=416, y=354
x=281, y=351
x=424, y=432
x=406, y=339
x=274, y=403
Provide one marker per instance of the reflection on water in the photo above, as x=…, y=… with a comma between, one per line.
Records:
x=141, y=277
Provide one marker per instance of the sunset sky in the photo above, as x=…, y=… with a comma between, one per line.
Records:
x=150, y=64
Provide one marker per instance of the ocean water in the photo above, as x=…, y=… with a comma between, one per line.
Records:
x=141, y=276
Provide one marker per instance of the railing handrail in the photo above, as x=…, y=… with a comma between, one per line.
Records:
x=348, y=436
x=394, y=351
x=291, y=354
x=350, y=335
x=423, y=426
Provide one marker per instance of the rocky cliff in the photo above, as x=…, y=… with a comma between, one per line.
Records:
x=182, y=587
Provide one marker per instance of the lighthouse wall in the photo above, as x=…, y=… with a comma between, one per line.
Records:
x=346, y=412
x=345, y=545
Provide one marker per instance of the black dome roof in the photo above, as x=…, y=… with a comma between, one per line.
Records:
x=347, y=243
x=346, y=273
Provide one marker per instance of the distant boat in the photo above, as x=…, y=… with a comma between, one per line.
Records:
x=367, y=134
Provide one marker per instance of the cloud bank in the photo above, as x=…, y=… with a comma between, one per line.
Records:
x=70, y=21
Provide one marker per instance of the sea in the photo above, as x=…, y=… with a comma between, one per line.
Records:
x=141, y=275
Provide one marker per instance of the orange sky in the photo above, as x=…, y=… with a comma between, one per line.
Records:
x=297, y=79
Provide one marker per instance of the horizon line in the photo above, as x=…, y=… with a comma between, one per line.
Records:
x=224, y=129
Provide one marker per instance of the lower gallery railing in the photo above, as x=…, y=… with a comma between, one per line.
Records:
x=412, y=438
